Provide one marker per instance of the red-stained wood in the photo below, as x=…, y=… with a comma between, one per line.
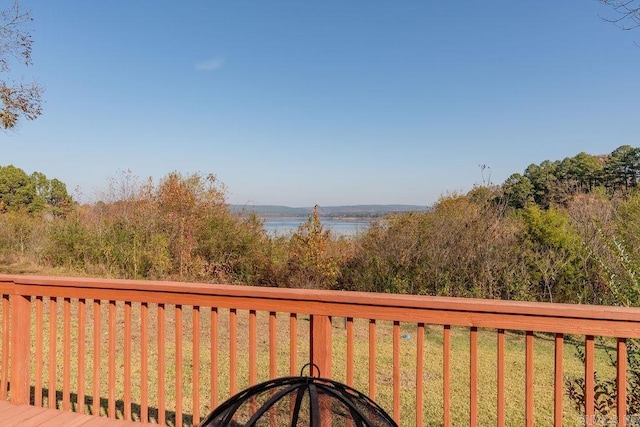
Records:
x=321, y=344
x=31, y=416
x=420, y=375
x=293, y=352
x=111, y=405
x=372, y=359
x=233, y=351
x=195, y=357
x=66, y=354
x=96, y=357
x=53, y=328
x=589, y=369
x=20, y=349
x=273, y=346
x=543, y=317
x=558, y=387
x=127, y=361
x=179, y=364
x=214, y=357
x=473, y=377
x=500, y=375
x=4, y=376
x=161, y=364
x=81, y=354
x=621, y=382
x=350, y=332
x=253, y=348
x=446, y=375
x=396, y=371
x=38, y=356
x=293, y=344
x=556, y=318
x=144, y=362
x=15, y=413
x=320, y=350
x=529, y=408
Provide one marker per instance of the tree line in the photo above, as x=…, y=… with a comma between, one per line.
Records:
x=556, y=182
x=562, y=231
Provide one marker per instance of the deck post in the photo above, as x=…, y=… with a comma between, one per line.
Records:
x=320, y=345
x=20, y=351
x=320, y=354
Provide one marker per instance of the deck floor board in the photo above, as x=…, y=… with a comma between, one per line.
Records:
x=32, y=416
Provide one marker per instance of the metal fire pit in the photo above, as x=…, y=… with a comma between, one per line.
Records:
x=299, y=401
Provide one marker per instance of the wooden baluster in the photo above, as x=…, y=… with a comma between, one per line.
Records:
x=396, y=371
x=127, y=360
x=446, y=375
x=529, y=410
x=196, y=365
x=214, y=357
x=500, y=374
x=144, y=362
x=473, y=376
x=97, y=337
x=4, y=377
x=178, y=377
x=66, y=355
x=81, y=354
x=252, y=347
x=350, y=333
x=273, y=346
x=39, y=352
x=621, y=382
x=112, y=360
x=293, y=344
x=558, y=380
x=589, y=369
x=273, y=355
x=53, y=330
x=420, y=375
x=372, y=359
x=233, y=351
x=161, y=364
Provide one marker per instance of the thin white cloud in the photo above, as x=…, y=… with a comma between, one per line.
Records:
x=210, y=65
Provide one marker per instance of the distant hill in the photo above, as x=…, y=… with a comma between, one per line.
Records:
x=350, y=211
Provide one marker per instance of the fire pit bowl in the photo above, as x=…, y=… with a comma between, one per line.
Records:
x=296, y=402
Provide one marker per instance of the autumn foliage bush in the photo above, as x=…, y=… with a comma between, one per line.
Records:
x=179, y=228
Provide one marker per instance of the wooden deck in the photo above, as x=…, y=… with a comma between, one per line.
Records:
x=25, y=415
x=126, y=347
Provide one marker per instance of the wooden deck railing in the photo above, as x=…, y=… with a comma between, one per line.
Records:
x=170, y=352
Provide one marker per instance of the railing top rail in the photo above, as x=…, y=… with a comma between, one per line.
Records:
x=521, y=315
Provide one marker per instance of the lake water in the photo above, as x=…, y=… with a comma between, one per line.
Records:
x=286, y=226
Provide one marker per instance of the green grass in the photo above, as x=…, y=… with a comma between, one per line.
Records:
x=432, y=379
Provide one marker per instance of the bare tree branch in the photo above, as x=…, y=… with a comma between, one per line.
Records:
x=18, y=99
x=627, y=13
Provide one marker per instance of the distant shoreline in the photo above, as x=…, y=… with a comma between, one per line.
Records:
x=341, y=213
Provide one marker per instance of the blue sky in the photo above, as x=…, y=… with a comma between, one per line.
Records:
x=332, y=102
